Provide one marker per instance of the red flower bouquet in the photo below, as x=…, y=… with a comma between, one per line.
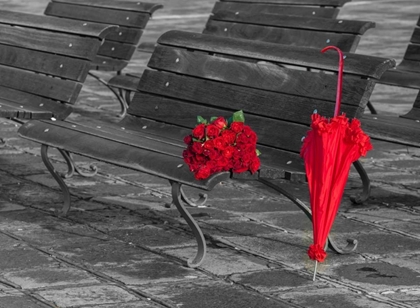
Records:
x=221, y=145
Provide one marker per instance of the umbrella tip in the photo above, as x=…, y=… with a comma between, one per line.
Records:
x=316, y=265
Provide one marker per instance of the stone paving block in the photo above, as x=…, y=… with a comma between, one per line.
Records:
x=410, y=227
x=204, y=213
x=6, y=206
x=331, y=298
x=269, y=281
x=223, y=262
x=383, y=215
x=21, y=164
x=378, y=277
x=111, y=219
x=8, y=300
x=138, y=201
x=155, y=237
x=211, y=294
x=149, y=271
x=240, y=226
x=49, y=276
x=27, y=193
x=23, y=257
x=102, y=254
x=379, y=243
x=138, y=304
x=87, y=295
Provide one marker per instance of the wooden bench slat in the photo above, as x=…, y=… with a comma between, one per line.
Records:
x=50, y=23
x=126, y=35
x=54, y=88
x=98, y=14
x=401, y=78
x=255, y=8
x=292, y=37
x=117, y=50
x=294, y=55
x=259, y=75
x=296, y=22
x=415, y=37
x=42, y=62
x=108, y=64
x=412, y=52
x=297, y=2
x=120, y=154
x=410, y=66
x=390, y=129
x=11, y=109
x=120, y=4
x=64, y=44
x=58, y=110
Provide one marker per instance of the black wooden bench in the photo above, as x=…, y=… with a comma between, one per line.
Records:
x=44, y=62
x=119, y=47
x=196, y=74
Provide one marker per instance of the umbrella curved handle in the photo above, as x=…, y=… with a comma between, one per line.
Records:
x=340, y=77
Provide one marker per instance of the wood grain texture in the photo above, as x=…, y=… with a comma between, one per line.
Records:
x=43, y=62
x=279, y=35
x=295, y=22
x=117, y=50
x=334, y=3
x=54, y=88
x=256, y=8
x=297, y=2
x=64, y=44
x=57, y=24
x=98, y=14
x=136, y=6
x=356, y=64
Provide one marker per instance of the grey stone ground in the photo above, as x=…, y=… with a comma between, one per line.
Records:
x=121, y=247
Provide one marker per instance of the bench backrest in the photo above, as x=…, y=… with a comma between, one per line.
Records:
x=324, y=9
x=197, y=74
x=411, y=60
x=288, y=29
x=131, y=17
x=42, y=64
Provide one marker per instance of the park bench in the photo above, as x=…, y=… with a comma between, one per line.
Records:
x=38, y=78
x=118, y=48
x=194, y=74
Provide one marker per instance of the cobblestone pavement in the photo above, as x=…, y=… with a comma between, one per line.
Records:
x=120, y=246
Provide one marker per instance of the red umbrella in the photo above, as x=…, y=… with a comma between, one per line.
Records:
x=329, y=149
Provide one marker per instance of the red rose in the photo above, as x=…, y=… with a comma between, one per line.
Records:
x=188, y=139
x=219, y=143
x=202, y=173
x=212, y=131
x=252, y=136
x=229, y=136
x=237, y=126
x=228, y=151
x=238, y=167
x=220, y=123
x=199, y=131
x=208, y=144
x=197, y=147
x=254, y=165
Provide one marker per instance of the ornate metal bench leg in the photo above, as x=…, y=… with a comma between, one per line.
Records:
x=57, y=177
x=123, y=103
x=72, y=167
x=200, y=202
x=352, y=243
x=201, y=253
x=359, y=199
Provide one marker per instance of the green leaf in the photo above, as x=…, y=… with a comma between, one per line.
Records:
x=201, y=120
x=238, y=116
x=258, y=152
x=229, y=121
x=212, y=119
